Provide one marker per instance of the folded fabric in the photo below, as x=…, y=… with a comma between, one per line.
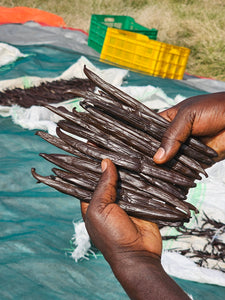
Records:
x=9, y=54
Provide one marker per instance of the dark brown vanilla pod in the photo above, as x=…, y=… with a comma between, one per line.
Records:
x=129, y=135
x=128, y=100
x=91, y=169
x=127, y=162
x=133, y=135
x=140, y=181
x=141, y=197
x=170, y=188
x=152, y=191
x=72, y=164
x=118, y=94
x=84, y=194
x=81, y=178
x=99, y=138
x=142, y=142
x=153, y=215
x=47, y=92
x=79, y=170
x=63, y=186
x=190, y=148
x=89, y=180
x=147, y=125
x=58, y=143
x=141, y=122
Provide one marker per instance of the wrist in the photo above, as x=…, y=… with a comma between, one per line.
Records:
x=131, y=263
x=131, y=258
x=143, y=277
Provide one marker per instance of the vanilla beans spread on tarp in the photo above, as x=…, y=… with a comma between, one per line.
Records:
x=47, y=92
x=129, y=133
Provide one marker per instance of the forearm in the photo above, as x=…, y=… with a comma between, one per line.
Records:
x=143, y=278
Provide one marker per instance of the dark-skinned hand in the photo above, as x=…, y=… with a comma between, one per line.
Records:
x=109, y=226
x=201, y=116
x=131, y=246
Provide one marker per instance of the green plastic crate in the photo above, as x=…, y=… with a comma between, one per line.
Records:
x=100, y=23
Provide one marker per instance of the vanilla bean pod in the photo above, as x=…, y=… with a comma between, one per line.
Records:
x=100, y=153
x=152, y=143
x=128, y=135
x=127, y=162
x=70, y=164
x=98, y=137
x=77, y=165
x=178, y=191
x=141, y=121
x=128, y=100
x=64, y=187
x=85, y=195
x=136, y=120
x=140, y=141
x=58, y=143
x=139, y=211
x=140, y=182
x=81, y=178
x=47, y=92
x=143, y=199
x=135, y=179
x=89, y=180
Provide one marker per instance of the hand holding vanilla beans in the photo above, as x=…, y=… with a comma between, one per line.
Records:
x=202, y=116
x=131, y=246
x=129, y=134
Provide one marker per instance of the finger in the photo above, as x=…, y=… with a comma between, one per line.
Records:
x=84, y=207
x=105, y=192
x=176, y=134
x=169, y=114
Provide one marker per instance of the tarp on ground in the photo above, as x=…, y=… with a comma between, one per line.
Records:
x=22, y=15
x=36, y=220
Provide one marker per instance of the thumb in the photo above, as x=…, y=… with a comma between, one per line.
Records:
x=105, y=192
x=176, y=134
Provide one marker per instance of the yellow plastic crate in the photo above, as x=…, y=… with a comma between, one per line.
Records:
x=100, y=23
x=137, y=52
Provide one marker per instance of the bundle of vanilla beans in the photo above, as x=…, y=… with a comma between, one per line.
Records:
x=124, y=130
x=47, y=92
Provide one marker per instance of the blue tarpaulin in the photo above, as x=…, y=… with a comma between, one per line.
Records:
x=36, y=221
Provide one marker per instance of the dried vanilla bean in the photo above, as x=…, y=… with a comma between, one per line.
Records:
x=141, y=142
x=128, y=100
x=47, y=92
x=73, y=163
x=81, y=178
x=138, y=208
x=127, y=162
x=70, y=164
x=100, y=138
x=58, y=143
x=64, y=187
x=141, y=122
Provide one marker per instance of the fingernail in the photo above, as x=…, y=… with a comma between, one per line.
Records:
x=103, y=165
x=160, y=153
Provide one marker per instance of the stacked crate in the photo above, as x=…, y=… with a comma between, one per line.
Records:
x=122, y=41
